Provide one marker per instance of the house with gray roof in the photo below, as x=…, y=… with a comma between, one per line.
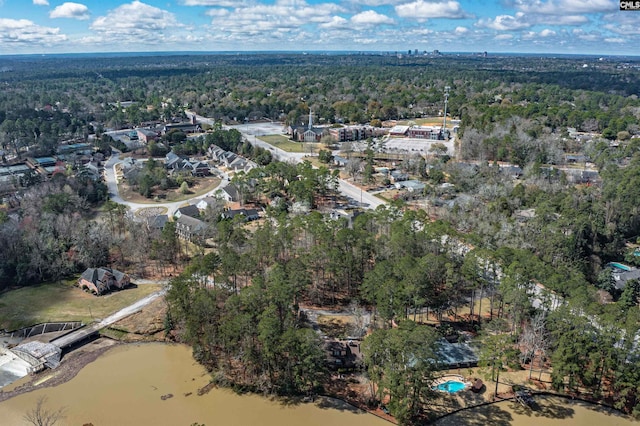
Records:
x=157, y=222
x=340, y=161
x=411, y=185
x=215, y=152
x=146, y=135
x=190, y=210
x=186, y=127
x=622, y=273
x=398, y=176
x=190, y=229
x=103, y=280
x=227, y=158
x=229, y=193
x=207, y=202
x=247, y=214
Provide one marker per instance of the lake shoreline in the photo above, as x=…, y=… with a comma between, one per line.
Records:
x=69, y=368
x=80, y=358
x=158, y=383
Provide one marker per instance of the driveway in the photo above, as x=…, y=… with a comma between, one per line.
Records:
x=358, y=197
x=114, y=193
x=354, y=193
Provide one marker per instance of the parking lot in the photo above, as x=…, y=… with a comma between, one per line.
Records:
x=419, y=146
x=261, y=129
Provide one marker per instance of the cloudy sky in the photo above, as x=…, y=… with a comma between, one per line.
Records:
x=532, y=26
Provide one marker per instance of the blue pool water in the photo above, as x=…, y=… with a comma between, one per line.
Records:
x=619, y=266
x=450, y=386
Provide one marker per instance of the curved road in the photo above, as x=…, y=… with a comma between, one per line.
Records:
x=355, y=193
x=114, y=193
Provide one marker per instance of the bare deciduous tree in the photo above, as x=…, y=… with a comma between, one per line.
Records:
x=354, y=167
x=41, y=416
x=534, y=340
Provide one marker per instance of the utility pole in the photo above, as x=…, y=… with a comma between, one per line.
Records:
x=446, y=102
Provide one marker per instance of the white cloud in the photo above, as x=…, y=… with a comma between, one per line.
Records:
x=461, y=30
x=217, y=12
x=70, y=10
x=25, y=32
x=566, y=7
x=335, y=22
x=586, y=36
x=532, y=35
x=523, y=20
x=615, y=40
x=505, y=22
x=561, y=19
x=215, y=3
x=377, y=2
x=283, y=21
x=623, y=23
x=371, y=17
x=41, y=2
x=137, y=22
x=422, y=10
x=504, y=37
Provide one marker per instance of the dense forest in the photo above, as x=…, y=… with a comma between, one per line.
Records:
x=487, y=93
x=238, y=300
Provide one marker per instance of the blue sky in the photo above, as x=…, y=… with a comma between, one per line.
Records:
x=529, y=26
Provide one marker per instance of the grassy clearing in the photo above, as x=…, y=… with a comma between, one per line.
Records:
x=463, y=311
x=429, y=121
x=201, y=187
x=62, y=301
x=336, y=326
x=288, y=145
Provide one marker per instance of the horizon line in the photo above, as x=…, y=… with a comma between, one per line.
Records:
x=314, y=52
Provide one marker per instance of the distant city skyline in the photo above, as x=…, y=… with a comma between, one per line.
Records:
x=518, y=26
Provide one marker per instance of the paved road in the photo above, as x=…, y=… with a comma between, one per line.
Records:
x=114, y=194
x=359, y=197
x=71, y=338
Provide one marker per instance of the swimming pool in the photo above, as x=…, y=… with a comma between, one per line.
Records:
x=450, y=386
x=619, y=266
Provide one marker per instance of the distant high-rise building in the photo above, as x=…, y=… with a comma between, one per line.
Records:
x=415, y=52
x=409, y=52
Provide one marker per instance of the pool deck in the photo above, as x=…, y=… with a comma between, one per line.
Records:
x=452, y=377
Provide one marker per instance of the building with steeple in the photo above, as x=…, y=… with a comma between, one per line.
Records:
x=309, y=133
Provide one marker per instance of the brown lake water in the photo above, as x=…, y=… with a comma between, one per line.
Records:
x=125, y=386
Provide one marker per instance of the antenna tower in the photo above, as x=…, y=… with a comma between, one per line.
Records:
x=446, y=102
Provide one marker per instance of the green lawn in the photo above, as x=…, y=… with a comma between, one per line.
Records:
x=430, y=121
x=288, y=145
x=202, y=186
x=62, y=302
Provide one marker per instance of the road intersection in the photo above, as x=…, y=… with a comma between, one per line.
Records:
x=356, y=195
